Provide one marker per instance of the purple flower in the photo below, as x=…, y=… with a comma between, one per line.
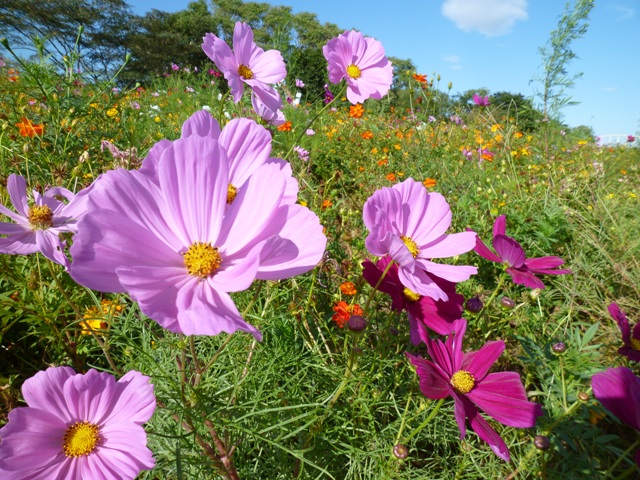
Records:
x=618, y=390
x=37, y=226
x=247, y=64
x=135, y=105
x=464, y=377
x=631, y=347
x=435, y=314
x=361, y=63
x=631, y=138
x=468, y=154
x=456, y=119
x=189, y=89
x=175, y=67
x=155, y=94
x=409, y=223
x=299, y=83
x=482, y=101
x=178, y=239
x=302, y=153
x=431, y=119
x=328, y=96
x=510, y=253
x=310, y=132
x=78, y=426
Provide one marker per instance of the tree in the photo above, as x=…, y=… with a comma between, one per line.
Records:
x=107, y=25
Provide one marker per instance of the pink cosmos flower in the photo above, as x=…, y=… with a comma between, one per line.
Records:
x=618, y=390
x=435, y=314
x=247, y=144
x=631, y=339
x=482, y=101
x=170, y=239
x=272, y=117
x=509, y=252
x=247, y=64
x=464, y=377
x=78, y=426
x=37, y=226
x=361, y=63
x=408, y=223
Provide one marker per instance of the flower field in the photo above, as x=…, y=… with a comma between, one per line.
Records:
x=217, y=276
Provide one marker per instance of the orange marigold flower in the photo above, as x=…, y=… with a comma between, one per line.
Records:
x=344, y=312
x=418, y=77
x=361, y=169
x=367, y=135
x=348, y=288
x=285, y=127
x=391, y=177
x=429, y=182
x=326, y=204
x=29, y=129
x=356, y=111
x=382, y=162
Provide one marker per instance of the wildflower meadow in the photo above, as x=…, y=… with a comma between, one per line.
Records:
x=219, y=274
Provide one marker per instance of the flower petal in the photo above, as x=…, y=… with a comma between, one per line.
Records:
x=434, y=382
x=509, y=251
x=618, y=389
x=478, y=363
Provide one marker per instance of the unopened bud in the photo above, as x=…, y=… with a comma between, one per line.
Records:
x=558, y=348
x=583, y=396
x=507, y=303
x=541, y=442
x=535, y=293
x=473, y=305
x=356, y=323
x=400, y=451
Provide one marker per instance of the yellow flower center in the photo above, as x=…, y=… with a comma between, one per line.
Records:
x=635, y=344
x=354, y=71
x=411, y=295
x=201, y=259
x=463, y=381
x=245, y=72
x=80, y=439
x=40, y=217
x=411, y=245
x=231, y=193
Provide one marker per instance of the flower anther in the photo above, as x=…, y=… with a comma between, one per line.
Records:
x=81, y=438
x=201, y=259
x=245, y=72
x=635, y=344
x=410, y=295
x=354, y=71
x=232, y=191
x=463, y=381
x=411, y=245
x=40, y=217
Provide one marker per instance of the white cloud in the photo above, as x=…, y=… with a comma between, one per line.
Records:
x=625, y=13
x=610, y=89
x=453, y=61
x=489, y=17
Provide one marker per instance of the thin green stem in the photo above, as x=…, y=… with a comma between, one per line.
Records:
x=426, y=422
x=222, y=100
x=375, y=289
x=610, y=470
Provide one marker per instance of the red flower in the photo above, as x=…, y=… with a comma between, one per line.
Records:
x=344, y=312
x=29, y=129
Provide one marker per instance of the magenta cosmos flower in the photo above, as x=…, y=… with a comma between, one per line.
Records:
x=438, y=315
x=618, y=390
x=464, y=377
x=631, y=339
x=172, y=242
x=38, y=224
x=78, y=426
x=247, y=64
x=510, y=253
x=361, y=63
x=247, y=145
x=481, y=101
x=408, y=223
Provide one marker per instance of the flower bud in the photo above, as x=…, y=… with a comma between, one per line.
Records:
x=473, y=305
x=583, y=396
x=535, y=293
x=356, y=323
x=541, y=442
x=400, y=451
x=558, y=348
x=507, y=303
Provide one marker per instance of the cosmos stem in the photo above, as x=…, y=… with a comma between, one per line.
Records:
x=501, y=279
x=426, y=422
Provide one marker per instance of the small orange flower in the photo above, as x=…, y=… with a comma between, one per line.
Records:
x=367, y=135
x=326, y=204
x=29, y=129
x=430, y=182
x=356, y=111
x=344, y=312
x=348, y=288
x=361, y=169
x=391, y=177
x=418, y=77
x=285, y=127
x=382, y=162
x=13, y=75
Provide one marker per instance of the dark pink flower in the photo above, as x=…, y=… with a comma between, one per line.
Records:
x=510, y=253
x=361, y=63
x=435, y=314
x=631, y=339
x=464, y=376
x=482, y=101
x=618, y=390
x=78, y=426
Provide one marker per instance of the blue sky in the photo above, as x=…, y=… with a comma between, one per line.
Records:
x=494, y=44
